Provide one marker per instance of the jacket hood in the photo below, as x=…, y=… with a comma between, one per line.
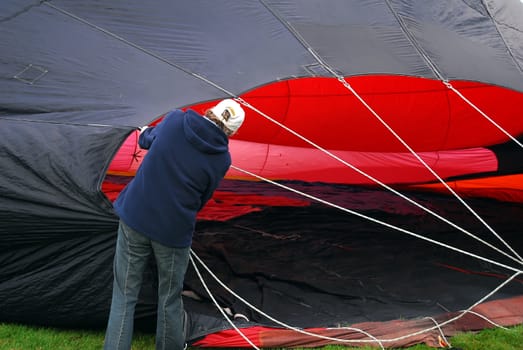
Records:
x=203, y=134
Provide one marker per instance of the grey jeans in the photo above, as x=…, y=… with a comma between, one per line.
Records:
x=132, y=252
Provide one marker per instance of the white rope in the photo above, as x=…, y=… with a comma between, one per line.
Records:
x=330, y=154
x=117, y=37
x=441, y=333
x=326, y=66
x=376, y=220
x=285, y=325
x=374, y=339
x=445, y=81
x=483, y=114
x=500, y=33
x=443, y=182
x=216, y=302
x=449, y=85
x=387, y=187
x=347, y=85
x=462, y=313
x=486, y=319
x=340, y=78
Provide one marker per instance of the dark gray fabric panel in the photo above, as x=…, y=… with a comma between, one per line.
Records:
x=56, y=63
x=353, y=37
x=235, y=44
x=50, y=179
x=462, y=41
x=508, y=17
x=141, y=60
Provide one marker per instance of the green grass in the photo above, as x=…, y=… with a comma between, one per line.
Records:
x=18, y=337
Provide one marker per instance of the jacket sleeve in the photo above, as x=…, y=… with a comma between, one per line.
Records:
x=212, y=187
x=206, y=196
x=148, y=135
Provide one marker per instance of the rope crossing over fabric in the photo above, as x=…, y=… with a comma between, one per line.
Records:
x=347, y=85
x=372, y=339
x=517, y=271
x=399, y=138
x=330, y=154
x=438, y=74
x=514, y=269
x=287, y=326
x=515, y=257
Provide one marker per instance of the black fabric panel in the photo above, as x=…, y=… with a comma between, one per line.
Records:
x=65, y=282
x=509, y=156
x=318, y=266
x=50, y=183
x=309, y=266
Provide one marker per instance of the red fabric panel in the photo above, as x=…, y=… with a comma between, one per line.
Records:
x=112, y=190
x=327, y=113
x=231, y=338
x=505, y=312
x=128, y=158
x=227, y=205
x=424, y=113
x=507, y=188
x=468, y=126
x=308, y=164
x=223, y=205
x=342, y=122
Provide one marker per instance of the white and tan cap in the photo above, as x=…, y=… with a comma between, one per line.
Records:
x=235, y=116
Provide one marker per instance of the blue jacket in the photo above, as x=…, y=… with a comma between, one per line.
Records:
x=188, y=157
